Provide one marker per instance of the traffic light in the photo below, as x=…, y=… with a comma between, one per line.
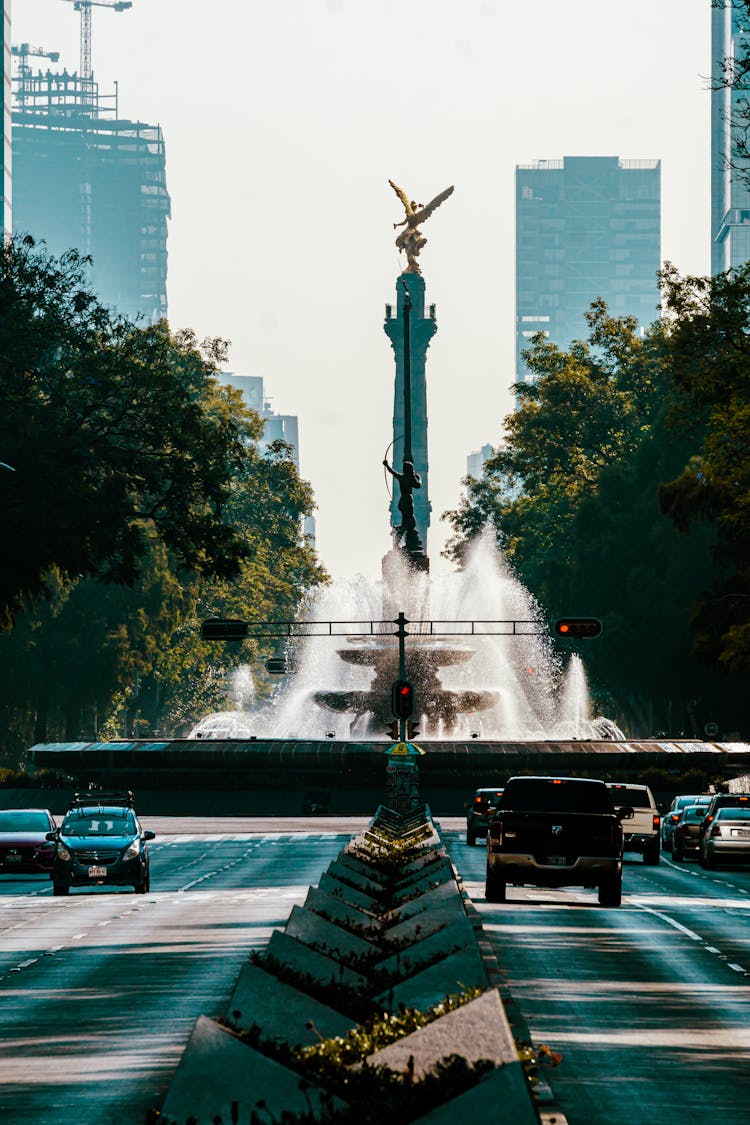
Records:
x=392, y=731
x=223, y=629
x=577, y=628
x=411, y=730
x=402, y=699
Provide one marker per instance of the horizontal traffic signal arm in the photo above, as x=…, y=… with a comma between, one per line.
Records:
x=211, y=629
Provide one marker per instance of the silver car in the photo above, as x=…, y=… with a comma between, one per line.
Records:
x=672, y=815
x=727, y=839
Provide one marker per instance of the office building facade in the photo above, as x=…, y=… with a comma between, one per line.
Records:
x=730, y=172
x=476, y=461
x=87, y=179
x=6, y=96
x=586, y=227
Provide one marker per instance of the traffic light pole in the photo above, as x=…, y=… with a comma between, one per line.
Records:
x=401, y=633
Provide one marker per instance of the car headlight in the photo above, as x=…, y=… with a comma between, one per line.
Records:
x=63, y=853
x=133, y=851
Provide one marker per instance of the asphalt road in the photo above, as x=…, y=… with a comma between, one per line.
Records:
x=648, y=1004
x=99, y=990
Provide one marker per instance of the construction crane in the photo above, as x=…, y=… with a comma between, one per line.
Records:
x=84, y=7
x=22, y=51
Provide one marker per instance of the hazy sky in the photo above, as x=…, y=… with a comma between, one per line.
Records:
x=283, y=122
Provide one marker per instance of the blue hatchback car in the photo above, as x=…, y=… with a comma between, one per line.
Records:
x=100, y=843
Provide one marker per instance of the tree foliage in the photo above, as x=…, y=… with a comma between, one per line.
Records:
x=141, y=503
x=604, y=494
x=118, y=434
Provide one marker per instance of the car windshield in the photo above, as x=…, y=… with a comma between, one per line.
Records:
x=694, y=812
x=630, y=795
x=20, y=821
x=685, y=799
x=99, y=824
x=733, y=814
x=556, y=795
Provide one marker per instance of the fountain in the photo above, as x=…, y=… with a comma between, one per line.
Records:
x=495, y=687
x=536, y=696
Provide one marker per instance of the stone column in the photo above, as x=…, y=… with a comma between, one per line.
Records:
x=423, y=328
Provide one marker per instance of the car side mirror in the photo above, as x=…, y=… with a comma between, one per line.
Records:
x=149, y=835
x=625, y=813
x=51, y=836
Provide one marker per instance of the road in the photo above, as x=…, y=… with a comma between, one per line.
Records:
x=649, y=1004
x=99, y=990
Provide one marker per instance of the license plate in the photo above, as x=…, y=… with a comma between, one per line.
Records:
x=12, y=859
x=735, y=832
x=556, y=861
x=97, y=872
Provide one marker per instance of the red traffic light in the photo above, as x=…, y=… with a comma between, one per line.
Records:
x=577, y=628
x=402, y=699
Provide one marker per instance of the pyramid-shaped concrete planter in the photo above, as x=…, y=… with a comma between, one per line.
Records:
x=385, y=932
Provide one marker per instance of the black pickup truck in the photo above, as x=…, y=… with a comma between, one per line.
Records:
x=556, y=832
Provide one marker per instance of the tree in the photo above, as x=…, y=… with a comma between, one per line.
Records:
x=118, y=434
x=574, y=497
x=141, y=504
x=709, y=360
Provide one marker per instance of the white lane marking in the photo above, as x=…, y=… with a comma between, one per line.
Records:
x=25, y=964
x=688, y=933
x=665, y=918
x=77, y=936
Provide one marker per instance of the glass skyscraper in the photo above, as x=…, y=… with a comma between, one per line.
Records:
x=730, y=195
x=586, y=227
x=6, y=93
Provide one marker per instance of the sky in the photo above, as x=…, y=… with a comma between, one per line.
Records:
x=283, y=123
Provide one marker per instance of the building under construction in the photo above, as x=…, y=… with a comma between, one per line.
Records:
x=85, y=178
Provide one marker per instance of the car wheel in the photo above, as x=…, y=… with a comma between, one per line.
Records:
x=708, y=862
x=610, y=891
x=471, y=839
x=651, y=853
x=676, y=853
x=60, y=889
x=142, y=888
x=494, y=887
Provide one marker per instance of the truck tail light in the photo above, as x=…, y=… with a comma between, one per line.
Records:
x=496, y=832
x=657, y=822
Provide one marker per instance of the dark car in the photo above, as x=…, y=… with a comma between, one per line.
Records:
x=101, y=843
x=24, y=846
x=672, y=815
x=728, y=837
x=477, y=819
x=686, y=833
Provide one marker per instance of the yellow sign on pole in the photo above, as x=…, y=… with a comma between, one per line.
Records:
x=404, y=750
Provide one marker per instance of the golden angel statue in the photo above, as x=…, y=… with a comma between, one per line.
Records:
x=411, y=240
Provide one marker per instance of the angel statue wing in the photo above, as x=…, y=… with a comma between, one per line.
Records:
x=415, y=218
x=403, y=197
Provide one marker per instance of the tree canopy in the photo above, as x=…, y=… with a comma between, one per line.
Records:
x=139, y=502
x=619, y=490
x=117, y=434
